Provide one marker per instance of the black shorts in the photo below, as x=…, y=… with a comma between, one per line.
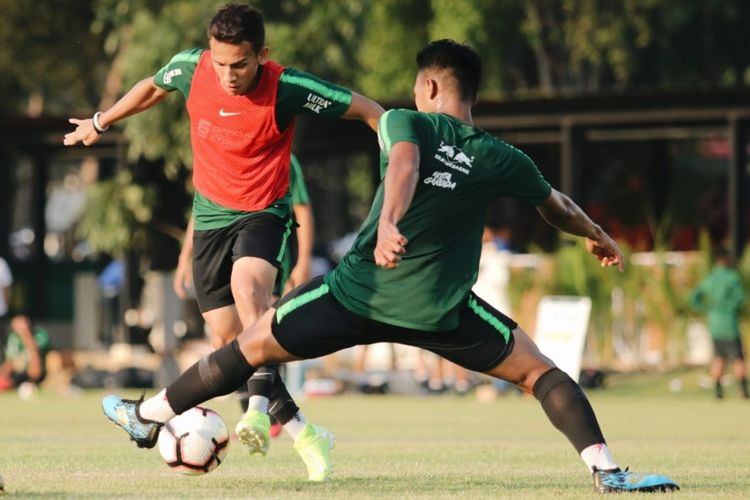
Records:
x=215, y=251
x=310, y=322
x=728, y=349
x=287, y=264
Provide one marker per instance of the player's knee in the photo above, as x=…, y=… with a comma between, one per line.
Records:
x=252, y=295
x=530, y=377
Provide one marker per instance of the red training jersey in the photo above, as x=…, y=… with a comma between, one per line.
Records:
x=240, y=157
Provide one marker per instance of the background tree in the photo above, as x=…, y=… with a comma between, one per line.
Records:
x=35, y=39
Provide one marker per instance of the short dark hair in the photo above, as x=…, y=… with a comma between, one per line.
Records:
x=459, y=58
x=236, y=23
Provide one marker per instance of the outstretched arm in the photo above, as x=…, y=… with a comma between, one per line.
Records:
x=364, y=109
x=562, y=212
x=144, y=95
x=399, y=185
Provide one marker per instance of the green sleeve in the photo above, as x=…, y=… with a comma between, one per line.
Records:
x=297, y=184
x=397, y=125
x=300, y=93
x=523, y=179
x=737, y=294
x=179, y=71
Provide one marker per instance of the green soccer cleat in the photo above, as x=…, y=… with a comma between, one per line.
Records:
x=124, y=413
x=253, y=430
x=314, y=445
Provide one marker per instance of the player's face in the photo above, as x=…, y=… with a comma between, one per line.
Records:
x=236, y=65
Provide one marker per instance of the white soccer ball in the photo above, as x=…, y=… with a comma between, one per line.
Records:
x=194, y=442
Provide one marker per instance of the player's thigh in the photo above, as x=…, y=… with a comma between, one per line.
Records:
x=212, y=267
x=258, y=252
x=481, y=340
x=223, y=325
x=252, y=280
x=264, y=236
x=309, y=322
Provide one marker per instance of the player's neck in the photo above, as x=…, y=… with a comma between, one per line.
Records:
x=458, y=110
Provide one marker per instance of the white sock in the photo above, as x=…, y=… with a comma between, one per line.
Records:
x=259, y=403
x=157, y=408
x=599, y=456
x=295, y=425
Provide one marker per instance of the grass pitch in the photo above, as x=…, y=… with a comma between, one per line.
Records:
x=394, y=447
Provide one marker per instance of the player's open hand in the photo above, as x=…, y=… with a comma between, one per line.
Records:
x=390, y=247
x=84, y=133
x=183, y=277
x=605, y=249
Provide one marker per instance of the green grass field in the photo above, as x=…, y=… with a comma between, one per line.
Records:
x=395, y=447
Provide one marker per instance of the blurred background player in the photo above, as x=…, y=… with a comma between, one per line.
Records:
x=6, y=280
x=25, y=352
x=242, y=108
x=720, y=295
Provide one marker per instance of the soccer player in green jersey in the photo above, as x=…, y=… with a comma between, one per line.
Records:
x=242, y=108
x=720, y=295
x=408, y=277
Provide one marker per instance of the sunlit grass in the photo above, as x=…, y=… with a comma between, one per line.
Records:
x=395, y=447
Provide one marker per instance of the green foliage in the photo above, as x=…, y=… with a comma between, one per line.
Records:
x=654, y=293
x=156, y=36
x=394, y=34
x=35, y=37
x=117, y=214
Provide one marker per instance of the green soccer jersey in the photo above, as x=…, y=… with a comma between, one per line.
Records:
x=298, y=93
x=720, y=295
x=462, y=169
x=15, y=350
x=297, y=186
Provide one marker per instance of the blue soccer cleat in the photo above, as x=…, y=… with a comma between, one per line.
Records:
x=124, y=413
x=619, y=481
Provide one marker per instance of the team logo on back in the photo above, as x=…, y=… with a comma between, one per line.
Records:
x=453, y=157
x=441, y=180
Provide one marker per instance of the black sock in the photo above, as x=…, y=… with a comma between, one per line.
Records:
x=719, y=390
x=261, y=383
x=743, y=387
x=568, y=408
x=217, y=374
x=282, y=407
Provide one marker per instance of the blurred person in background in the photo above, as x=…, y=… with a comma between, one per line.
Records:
x=720, y=296
x=6, y=279
x=25, y=352
x=242, y=107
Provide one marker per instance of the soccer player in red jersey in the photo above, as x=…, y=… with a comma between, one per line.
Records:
x=242, y=109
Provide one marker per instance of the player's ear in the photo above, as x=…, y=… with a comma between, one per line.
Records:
x=263, y=54
x=432, y=88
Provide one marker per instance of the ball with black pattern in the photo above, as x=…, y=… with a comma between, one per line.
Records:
x=194, y=442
